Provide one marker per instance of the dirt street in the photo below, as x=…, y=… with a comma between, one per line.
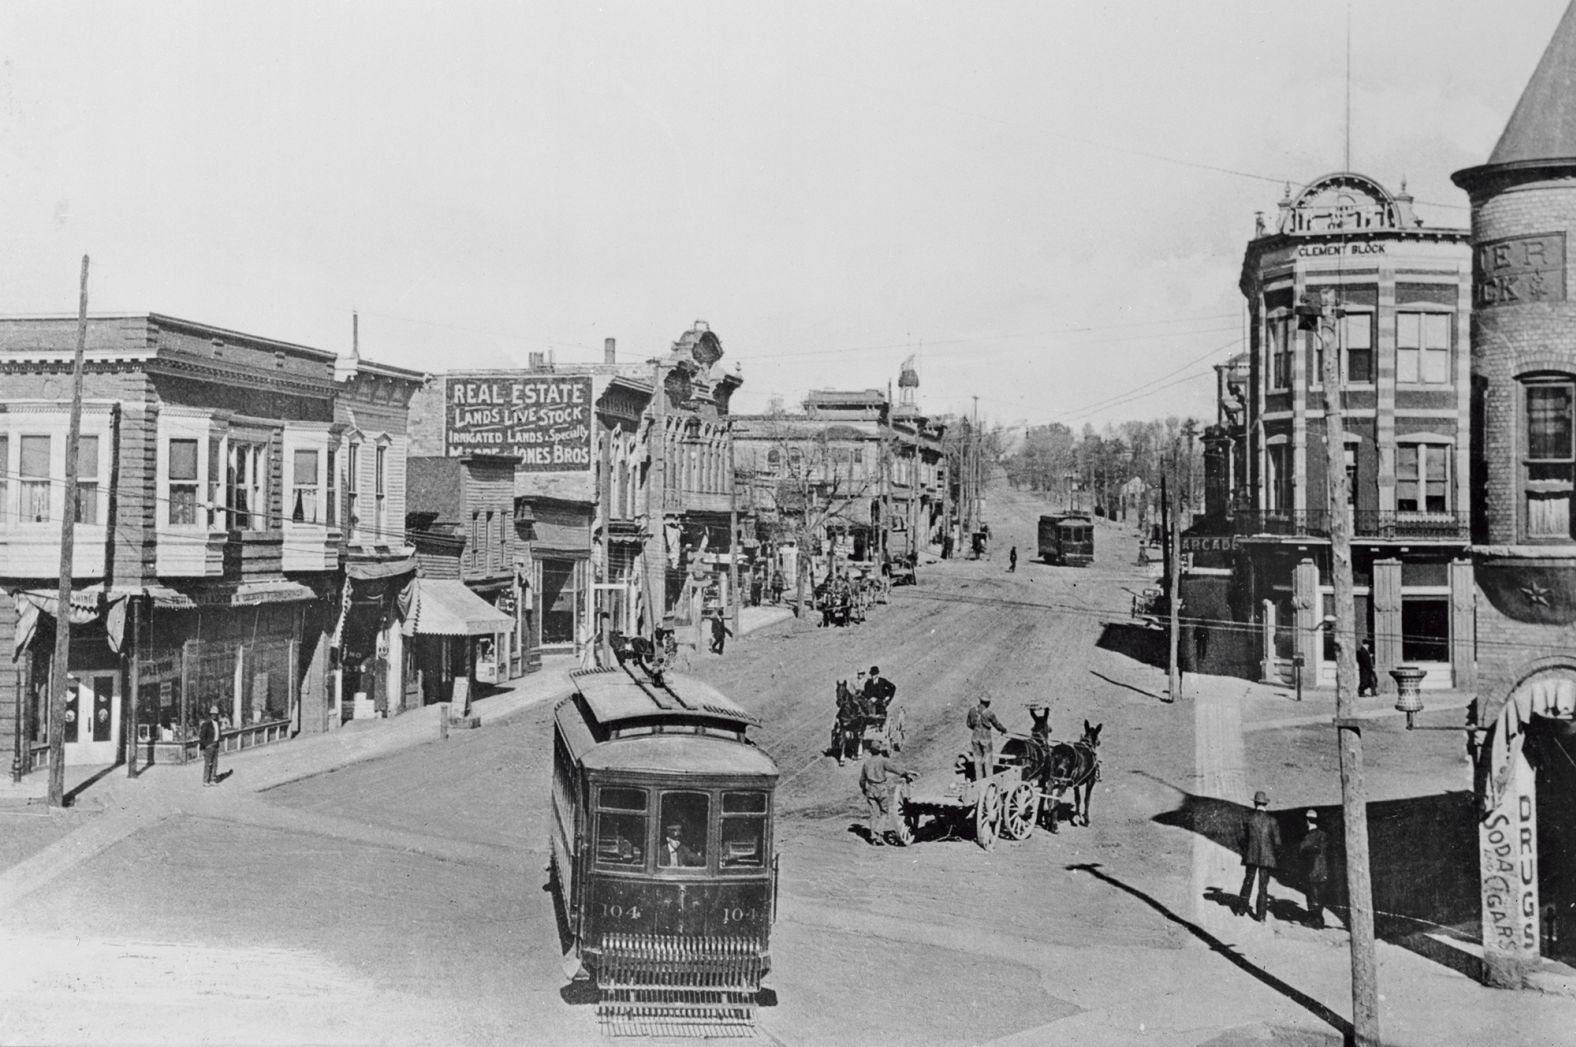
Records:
x=402, y=900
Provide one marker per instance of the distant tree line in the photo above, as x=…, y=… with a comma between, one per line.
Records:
x=1090, y=469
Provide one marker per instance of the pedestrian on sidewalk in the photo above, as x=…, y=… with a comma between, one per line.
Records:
x=208, y=741
x=1012, y=560
x=1315, y=852
x=878, y=780
x=1261, y=842
x=1367, y=679
x=982, y=744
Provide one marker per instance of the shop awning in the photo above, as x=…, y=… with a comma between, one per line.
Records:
x=248, y=593
x=372, y=570
x=447, y=608
x=560, y=539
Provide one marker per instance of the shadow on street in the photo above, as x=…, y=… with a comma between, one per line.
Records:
x=1226, y=952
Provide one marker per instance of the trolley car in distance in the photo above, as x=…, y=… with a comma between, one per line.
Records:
x=1067, y=538
x=662, y=852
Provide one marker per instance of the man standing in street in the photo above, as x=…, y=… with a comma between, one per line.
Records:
x=1314, y=849
x=982, y=747
x=719, y=634
x=1012, y=560
x=1261, y=841
x=878, y=782
x=208, y=741
x=1367, y=679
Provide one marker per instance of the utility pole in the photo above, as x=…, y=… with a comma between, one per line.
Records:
x=656, y=504
x=1319, y=317
x=60, y=679
x=1173, y=585
x=733, y=533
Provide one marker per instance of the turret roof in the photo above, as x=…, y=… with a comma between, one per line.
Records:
x=1543, y=127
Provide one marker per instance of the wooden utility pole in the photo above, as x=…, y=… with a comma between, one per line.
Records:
x=1322, y=317
x=733, y=534
x=59, y=677
x=656, y=504
x=1173, y=592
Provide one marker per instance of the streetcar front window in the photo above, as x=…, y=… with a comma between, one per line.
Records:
x=621, y=826
x=743, y=830
x=685, y=818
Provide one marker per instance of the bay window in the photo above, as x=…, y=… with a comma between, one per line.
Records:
x=304, y=488
x=1548, y=457
x=352, y=490
x=182, y=490
x=246, y=492
x=35, y=484
x=88, y=480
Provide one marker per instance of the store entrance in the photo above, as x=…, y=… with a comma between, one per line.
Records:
x=1550, y=746
x=92, y=721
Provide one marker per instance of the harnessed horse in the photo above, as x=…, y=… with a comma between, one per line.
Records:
x=1074, y=767
x=850, y=725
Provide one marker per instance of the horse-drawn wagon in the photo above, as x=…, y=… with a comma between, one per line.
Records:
x=859, y=726
x=1030, y=779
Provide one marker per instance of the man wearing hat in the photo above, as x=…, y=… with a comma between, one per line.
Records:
x=208, y=741
x=878, y=781
x=1261, y=842
x=1315, y=853
x=982, y=748
x=878, y=692
x=674, y=852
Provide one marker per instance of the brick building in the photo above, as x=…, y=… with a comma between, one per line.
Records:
x=207, y=564
x=1402, y=289
x=1524, y=557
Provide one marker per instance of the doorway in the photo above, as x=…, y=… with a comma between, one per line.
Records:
x=1550, y=747
x=92, y=721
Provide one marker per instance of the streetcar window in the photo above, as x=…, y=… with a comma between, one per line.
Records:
x=743, y=830
x=685, y=818
x=621, y=827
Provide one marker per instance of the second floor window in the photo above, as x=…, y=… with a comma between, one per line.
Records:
x=1278, y=483
x=1358, y=337
x=331, y=505
x=182, y=492
x=1280, y=335
x=352, y=490
x=476, y=540
x=304, y=488
x=34, y=470
x=1549, y=458
x=246, y=494
x=88, y=480
x=380, y=490
x=1422, y=478
x=1422, y=347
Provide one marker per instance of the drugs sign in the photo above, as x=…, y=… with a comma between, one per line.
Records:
x=543, y=419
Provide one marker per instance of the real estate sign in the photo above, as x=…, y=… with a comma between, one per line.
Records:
x=543, y=419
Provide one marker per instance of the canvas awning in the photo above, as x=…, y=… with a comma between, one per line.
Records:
x=444, y=607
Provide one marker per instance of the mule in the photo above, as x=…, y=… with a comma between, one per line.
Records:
x=1074, y=768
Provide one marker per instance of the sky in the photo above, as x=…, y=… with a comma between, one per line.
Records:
x=1045, y=203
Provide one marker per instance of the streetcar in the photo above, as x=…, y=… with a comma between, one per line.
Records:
x=1067, y=538
x=662, y=849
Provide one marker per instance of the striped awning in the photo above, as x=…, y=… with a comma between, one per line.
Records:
x=444, y=607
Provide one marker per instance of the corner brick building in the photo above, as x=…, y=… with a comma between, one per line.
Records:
x=1523, y=486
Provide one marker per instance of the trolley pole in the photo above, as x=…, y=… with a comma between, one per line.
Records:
x=60, y=678
x=1320, y=317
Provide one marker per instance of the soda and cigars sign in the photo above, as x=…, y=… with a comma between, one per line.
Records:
x=545, y=420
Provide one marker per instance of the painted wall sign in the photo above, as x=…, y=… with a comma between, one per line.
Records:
x=1209, y=543
x=1331, y=250
x=544, y=419
x=1519, y=269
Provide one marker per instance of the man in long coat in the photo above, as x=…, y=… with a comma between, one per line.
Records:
x=1261, y=842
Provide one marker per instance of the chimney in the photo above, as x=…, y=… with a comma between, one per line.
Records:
x=609, y=355
x=538, y=361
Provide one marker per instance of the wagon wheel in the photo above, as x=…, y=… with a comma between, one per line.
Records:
x=1018, y=813
x=904, y=833
x=987, y=815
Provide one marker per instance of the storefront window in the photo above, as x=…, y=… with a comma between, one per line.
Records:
x=559, y=600
x=1425, y=629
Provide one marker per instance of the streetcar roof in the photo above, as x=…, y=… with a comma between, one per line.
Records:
x=682, y=754
x=614, y=696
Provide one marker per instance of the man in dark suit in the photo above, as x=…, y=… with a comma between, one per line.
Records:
x=1261, y=841
x=878, y=692
x=1315, y=852
x=208, y=741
